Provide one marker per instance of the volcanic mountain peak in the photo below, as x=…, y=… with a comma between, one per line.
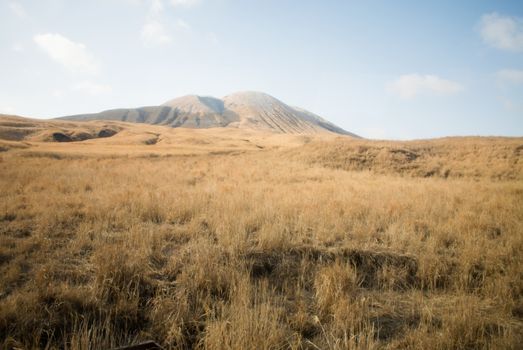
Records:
x=252, y=98
x=195, y=103
x=245, y=109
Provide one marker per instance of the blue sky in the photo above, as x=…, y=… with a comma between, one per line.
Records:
x=382, y=69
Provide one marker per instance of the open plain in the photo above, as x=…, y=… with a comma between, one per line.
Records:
x=223, y=238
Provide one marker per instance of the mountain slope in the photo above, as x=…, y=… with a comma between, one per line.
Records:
x=259, y=110
x=249, y=110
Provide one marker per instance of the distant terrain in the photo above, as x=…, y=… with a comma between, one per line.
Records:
x=244, y=237
x=252, y=110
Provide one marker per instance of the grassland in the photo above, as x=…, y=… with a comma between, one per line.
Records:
x=226, y=239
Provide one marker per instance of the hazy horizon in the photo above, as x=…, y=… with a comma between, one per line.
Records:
x=401, y=70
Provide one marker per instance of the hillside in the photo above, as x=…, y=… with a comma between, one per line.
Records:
x=451, y=157
x=244, y=110
x=496, y=158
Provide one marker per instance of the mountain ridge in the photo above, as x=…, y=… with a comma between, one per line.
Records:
x=245, y=109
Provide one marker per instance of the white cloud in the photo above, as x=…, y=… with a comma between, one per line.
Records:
x=153, y=31
x=18, y=9
x=156, y=7
x=502, y=32
x=511, y=76
x=184, y=3
x=182, y=24
x=92, y=88
x=409, y=85
x=72, y=55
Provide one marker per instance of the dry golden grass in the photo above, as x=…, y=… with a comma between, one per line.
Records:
x=222, y=239
x=470, y=157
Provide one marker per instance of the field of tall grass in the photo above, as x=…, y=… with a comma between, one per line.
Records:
x=275, y=248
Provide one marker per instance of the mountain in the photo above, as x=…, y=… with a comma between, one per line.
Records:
x=248, y=109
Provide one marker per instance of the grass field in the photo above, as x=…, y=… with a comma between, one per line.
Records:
x=220, y=239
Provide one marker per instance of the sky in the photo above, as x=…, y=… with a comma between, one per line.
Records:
x=381, y=69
